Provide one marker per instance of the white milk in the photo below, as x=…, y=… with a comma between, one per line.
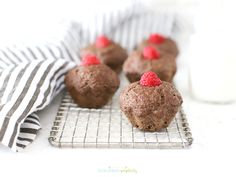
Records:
x=212, y=56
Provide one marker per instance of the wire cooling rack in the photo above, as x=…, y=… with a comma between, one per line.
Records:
x=109, y=128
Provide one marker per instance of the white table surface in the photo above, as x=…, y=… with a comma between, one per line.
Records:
x=212, y=152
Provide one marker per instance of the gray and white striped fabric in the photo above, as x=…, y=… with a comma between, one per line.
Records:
x=32, y=75
x=24, y=89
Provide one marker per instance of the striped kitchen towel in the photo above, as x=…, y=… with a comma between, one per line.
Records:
x=25, y=88
x=32, y=75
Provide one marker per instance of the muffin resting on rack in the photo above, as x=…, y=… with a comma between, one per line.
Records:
x=91, y=84
x=150, y=104
x=150, y=59
x=161, y=43
x=109, y=52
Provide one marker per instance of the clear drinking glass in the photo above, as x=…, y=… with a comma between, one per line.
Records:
x=212, y=54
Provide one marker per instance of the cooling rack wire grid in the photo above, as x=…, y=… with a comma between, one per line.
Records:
x=109, y=128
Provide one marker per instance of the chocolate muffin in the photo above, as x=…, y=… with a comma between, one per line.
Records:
x=161, y=43
x=109, y=52
x=91, y=84
x=150, y=104
x=163, y=64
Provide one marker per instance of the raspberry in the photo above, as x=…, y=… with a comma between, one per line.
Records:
x=90, y=60
x=150, y=79
x=150, y=53
x=102, y=41
x=156, y=38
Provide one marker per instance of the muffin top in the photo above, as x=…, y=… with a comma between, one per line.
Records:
x=161, y=43
x=92, y=77
x=160, y=63
x=109, y=52
x=142, y=100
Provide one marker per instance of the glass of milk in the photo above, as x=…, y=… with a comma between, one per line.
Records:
x=212, y=55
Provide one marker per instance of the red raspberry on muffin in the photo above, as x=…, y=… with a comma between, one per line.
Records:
x=161, y=43
x=91, y=84
x=109, y=52
x=150, y=59
x=150, y=104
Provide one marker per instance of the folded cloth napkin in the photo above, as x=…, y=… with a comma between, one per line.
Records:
x=24, y=89
x=32, y=75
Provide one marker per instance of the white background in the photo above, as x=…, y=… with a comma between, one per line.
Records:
x=212, y=125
